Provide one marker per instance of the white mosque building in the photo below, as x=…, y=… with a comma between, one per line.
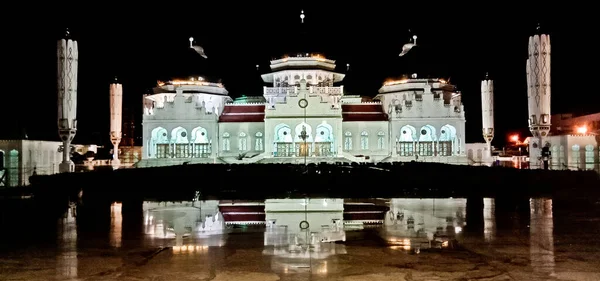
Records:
x=304, y=116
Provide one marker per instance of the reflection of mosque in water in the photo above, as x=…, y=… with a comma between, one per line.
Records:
x=412, y=224
x=305, y=235
x=300, y=234
x=179, y=220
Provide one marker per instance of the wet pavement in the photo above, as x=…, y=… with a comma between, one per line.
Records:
x=417, y=239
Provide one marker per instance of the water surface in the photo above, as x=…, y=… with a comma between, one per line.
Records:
x=302, y=239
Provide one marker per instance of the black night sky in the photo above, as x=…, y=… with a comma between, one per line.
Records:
x=460, y=44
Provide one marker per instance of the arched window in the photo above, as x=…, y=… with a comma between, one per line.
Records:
x=589, y=157
x=258, y=145
x=380, y=140
x=575, y=156
x=226, y=142
x=364, y=140
x=347, y=141
x=242, y=142
x=555, y=158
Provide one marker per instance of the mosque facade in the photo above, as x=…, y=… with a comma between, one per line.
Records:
x=305, y=116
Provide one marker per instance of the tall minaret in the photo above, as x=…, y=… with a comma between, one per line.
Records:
x=116, y=118
x=487, y=111
x=538, y=95
x=68, y=59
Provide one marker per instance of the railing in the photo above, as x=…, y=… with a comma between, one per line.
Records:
x=188, y=150
x=428, y=148
x=326, y=90
x=280, y=90
x=311, y=89
x=301, y=149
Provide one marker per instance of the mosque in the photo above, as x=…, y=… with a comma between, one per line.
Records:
x=303, y=116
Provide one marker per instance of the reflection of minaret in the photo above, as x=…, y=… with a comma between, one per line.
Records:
x=68, y=59
x=66, y=265
x=116, y=224
x=116, y=119
x=538, y=94
x=541, y=239
x=487, y=112
x=489, y=219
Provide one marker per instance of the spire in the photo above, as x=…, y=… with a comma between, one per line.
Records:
x=487, y=75
x=302, y=16
x=116, y=81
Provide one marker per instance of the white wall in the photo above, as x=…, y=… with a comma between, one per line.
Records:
x=29, y=156
x=254, y=132
x=479, y=153
x=373, y=129
x=574, y=152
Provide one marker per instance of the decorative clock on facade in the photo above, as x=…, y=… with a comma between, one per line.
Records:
x=303, y=103
x=304, y=225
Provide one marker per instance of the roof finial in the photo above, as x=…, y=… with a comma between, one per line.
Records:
x=67, y=33
x=116, y=80
x=487, y=75
x=302, y=16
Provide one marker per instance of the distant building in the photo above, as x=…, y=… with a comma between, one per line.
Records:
x=573, y=142
x=574, y=152
x=571, y=123
x=20, y=159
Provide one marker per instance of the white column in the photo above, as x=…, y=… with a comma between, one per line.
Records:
x=68, y=59
x=116, y=119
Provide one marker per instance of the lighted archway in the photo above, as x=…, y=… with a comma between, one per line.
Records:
x=160, y=135
x=159, y=143
x=447, y=140
x=283, y=133
x=199, y=135
x=408, y=133
x=298, y=132
x=179, y=135
x=427, y=133
x=283, y=144
x=324, y=133
x=447, y=133
x=180, y=141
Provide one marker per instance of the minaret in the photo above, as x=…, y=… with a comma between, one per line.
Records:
x=487, y=111
x=116, y=118
x=68, y=59
x=538, y=95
